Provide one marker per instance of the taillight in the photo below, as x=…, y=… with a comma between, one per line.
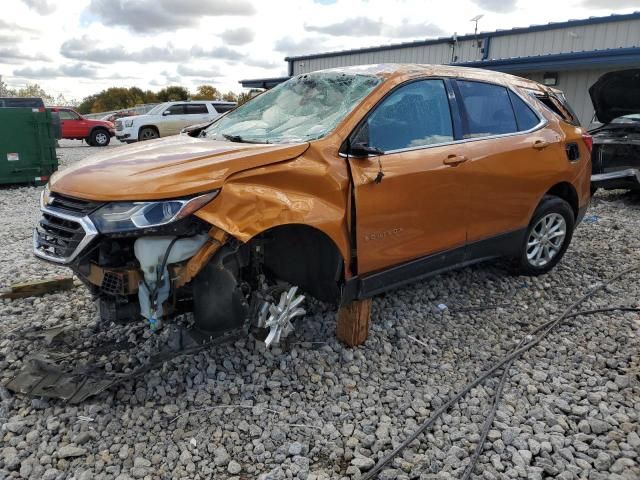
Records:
x=588, y=141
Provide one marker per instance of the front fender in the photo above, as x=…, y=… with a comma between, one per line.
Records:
x=304, y=191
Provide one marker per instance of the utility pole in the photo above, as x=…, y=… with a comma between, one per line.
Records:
x=475, y=31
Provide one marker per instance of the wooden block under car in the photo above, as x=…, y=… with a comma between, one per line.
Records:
x=38, y=287
x=353, y=322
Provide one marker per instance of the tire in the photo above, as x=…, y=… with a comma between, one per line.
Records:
x=99, y=138
x=148, y=133
x=540, y=250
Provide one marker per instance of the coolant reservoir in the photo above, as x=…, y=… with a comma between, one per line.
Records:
x=150, y=252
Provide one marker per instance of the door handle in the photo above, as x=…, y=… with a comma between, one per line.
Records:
x=454, y=160
x=540, y=144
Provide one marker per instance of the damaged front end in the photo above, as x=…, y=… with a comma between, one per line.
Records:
x=153, y=260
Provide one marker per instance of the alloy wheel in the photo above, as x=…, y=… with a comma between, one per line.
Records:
x=101, y=138
x=546, y=239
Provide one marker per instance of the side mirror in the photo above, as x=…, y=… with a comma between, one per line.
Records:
x=363, y=150
x=165, y=113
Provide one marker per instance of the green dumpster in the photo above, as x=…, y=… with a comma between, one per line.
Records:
x=27, y=146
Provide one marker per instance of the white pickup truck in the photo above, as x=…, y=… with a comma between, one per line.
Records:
x=169, y=118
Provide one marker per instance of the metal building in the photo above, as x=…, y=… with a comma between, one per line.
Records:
x=567, y=55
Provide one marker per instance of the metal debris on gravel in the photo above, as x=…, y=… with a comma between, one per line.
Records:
x=313, y=409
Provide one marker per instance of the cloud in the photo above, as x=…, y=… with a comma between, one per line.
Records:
x=86, y=49
x=43, y=7
x=291, y=46
x=364, y=26
x=610, y=4
x=171, y=78
x=10, y=38
x=13, y=55
x=352, y=27
x=499, y=6
x=187, y=71
x=224, y=53
x=161, y=15
x=238, y=36
x=4, y=25
x=258, y=62
x=76, y=70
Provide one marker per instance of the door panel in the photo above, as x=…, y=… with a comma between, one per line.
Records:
x=71, y=124
x=173, y=119
x=418, y=207
x=507, y=178
x=509, y=171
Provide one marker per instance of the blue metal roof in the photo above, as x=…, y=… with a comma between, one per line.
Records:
x=496, y=33
x=571, y=60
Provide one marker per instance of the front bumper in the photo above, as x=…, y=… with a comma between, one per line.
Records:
x=627, y=179
x=127, y=134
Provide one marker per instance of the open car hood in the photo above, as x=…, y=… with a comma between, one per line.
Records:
x=616, y=94
x=166, y=168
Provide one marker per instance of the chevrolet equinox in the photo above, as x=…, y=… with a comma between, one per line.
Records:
x=341, y=184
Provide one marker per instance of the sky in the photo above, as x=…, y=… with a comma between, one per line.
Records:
x=80, y=47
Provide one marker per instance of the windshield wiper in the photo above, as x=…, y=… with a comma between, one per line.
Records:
x=233, y=138
x=239, y=139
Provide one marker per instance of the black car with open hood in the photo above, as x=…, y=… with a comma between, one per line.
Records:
x=616, y=143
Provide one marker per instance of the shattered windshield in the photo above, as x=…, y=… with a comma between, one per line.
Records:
x=303, y=108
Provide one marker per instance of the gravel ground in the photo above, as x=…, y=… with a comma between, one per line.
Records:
x=314, y=409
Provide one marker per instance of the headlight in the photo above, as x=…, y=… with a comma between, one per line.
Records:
x=128, y=123
x=127, y=216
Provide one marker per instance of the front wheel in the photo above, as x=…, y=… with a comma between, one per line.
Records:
x=548, y=236
x=99, y=138
x=148, y=133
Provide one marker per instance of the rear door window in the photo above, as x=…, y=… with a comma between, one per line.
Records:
x=196, y=109
x=488, y=109
x=525, y=117
x=175, y=110
x=414, y=115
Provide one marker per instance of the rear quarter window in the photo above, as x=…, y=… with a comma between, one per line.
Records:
x=196, y=109
x=525, y=117
x=557, y=103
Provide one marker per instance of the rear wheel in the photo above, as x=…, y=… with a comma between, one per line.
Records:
x=548, y=236
x=99, y=138
x=148, y=133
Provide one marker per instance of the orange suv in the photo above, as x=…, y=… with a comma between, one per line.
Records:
x=342, y=183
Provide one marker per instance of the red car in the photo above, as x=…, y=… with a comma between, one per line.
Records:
x=96, y=133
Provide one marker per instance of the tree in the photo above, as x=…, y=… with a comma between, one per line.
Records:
x=86, y=106
x=207, y=92
x=4, y=90
x=246, y=96
x=230, y=97
x=172, y=94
